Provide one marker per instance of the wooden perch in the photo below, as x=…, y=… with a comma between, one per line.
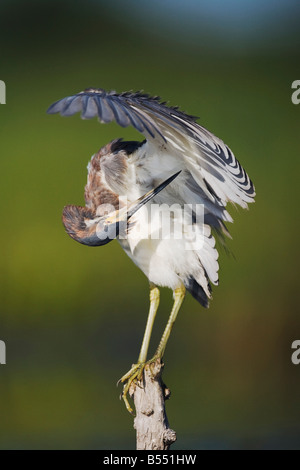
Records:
x=151, y=422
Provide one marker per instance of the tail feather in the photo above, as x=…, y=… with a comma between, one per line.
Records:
x=197, y=291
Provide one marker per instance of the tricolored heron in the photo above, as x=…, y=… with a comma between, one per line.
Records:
x=197, y=169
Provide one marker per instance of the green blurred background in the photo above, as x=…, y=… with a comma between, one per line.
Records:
x=73, y=317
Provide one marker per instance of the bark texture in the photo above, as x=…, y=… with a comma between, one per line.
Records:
x=151, y=422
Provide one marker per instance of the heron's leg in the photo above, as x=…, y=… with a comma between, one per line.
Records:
x=137, y=369
x=179, y=295
x=154, y=303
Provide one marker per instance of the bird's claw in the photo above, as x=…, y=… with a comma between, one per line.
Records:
x=134, y=375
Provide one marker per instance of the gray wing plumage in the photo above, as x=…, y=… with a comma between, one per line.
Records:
x=124, y=108
x=212, y=165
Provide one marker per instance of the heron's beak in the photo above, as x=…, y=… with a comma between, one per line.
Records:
x=85, y=227
x=125, y=213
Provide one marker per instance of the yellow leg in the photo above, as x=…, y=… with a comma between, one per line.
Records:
x=154, y=303
x=179, y=295
x=137, y=369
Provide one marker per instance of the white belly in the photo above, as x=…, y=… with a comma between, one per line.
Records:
x=165, y=255
x=160, y=260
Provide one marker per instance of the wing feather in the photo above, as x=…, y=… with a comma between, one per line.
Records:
x=215, y=171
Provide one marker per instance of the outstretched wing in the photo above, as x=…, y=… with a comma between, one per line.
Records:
x=210, y=176
x=214, y=170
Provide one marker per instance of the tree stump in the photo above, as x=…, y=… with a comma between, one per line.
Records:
x=151, y=422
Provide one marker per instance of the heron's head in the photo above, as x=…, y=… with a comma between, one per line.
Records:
x=86, y=227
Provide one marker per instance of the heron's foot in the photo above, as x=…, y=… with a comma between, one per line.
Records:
x=134, y=375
